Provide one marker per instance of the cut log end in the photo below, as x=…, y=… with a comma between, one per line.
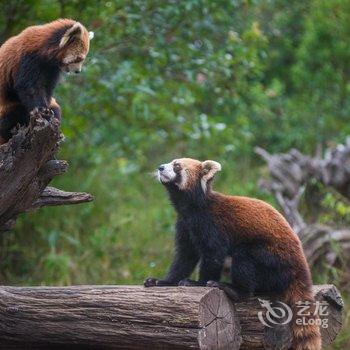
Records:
x=220, y=328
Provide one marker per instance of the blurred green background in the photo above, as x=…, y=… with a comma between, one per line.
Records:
x=165, y=79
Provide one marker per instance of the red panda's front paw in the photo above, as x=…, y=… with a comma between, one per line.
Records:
x=214, y=284
x=46, y=113
x=150, y=282
x=34, y=112
x=155, y=282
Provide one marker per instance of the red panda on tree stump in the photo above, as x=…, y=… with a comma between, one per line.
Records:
x=267, y=256
x=30, y=67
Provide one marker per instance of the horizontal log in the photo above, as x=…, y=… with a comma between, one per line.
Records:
x=117, y=318
x=134, y=317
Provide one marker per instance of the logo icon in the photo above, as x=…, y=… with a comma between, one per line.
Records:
x=276, y=313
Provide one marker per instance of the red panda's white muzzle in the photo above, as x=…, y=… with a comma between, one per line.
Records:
x=166, y=173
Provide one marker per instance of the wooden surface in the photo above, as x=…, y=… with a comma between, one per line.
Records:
x=331, y=295
x=27, y=165
x=111, y=317
x=134, y=317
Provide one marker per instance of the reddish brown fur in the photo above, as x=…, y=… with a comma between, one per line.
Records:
x=33, y=39
x=192, y=169
x=252, y=220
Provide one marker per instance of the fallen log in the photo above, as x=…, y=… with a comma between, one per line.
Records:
x=134, y=317
x=27, y=165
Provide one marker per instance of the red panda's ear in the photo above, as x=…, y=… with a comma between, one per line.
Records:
x=74, y=32
x=210, y=168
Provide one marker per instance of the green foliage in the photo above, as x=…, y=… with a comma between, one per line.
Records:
x=164, y=79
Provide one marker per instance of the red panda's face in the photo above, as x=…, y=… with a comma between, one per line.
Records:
x=74, y=46
x=186, y=173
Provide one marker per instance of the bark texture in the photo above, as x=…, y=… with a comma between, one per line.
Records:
x=134, y=317
x=109, y=317
x=27, y=165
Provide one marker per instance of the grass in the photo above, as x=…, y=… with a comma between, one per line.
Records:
x=125, y=235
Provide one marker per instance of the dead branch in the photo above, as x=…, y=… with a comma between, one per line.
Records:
x=27, y=165
x=290, y=173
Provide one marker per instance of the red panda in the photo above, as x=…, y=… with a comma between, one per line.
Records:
x=267, y=256
x=30, y=67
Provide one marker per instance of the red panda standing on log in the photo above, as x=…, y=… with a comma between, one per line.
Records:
x=267, y=256
x=30, y=67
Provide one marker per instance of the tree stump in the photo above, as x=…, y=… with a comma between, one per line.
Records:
x=27, y=165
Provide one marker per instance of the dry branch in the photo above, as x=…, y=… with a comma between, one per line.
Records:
x=133, y=317
x=290, y=173
x=27, y=165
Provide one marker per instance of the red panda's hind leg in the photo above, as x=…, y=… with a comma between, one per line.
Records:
x=13, y=116
x=53, y=111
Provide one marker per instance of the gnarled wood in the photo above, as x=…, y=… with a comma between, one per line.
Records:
x=134, y=317
x=27, y=165
x=53, y=196
x=290, y=173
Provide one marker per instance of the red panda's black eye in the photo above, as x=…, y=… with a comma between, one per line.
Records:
x=177, y=167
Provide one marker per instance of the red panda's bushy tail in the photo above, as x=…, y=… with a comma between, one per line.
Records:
x=306, y=331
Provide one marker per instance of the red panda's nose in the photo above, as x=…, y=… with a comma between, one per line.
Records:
x=161, y=167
